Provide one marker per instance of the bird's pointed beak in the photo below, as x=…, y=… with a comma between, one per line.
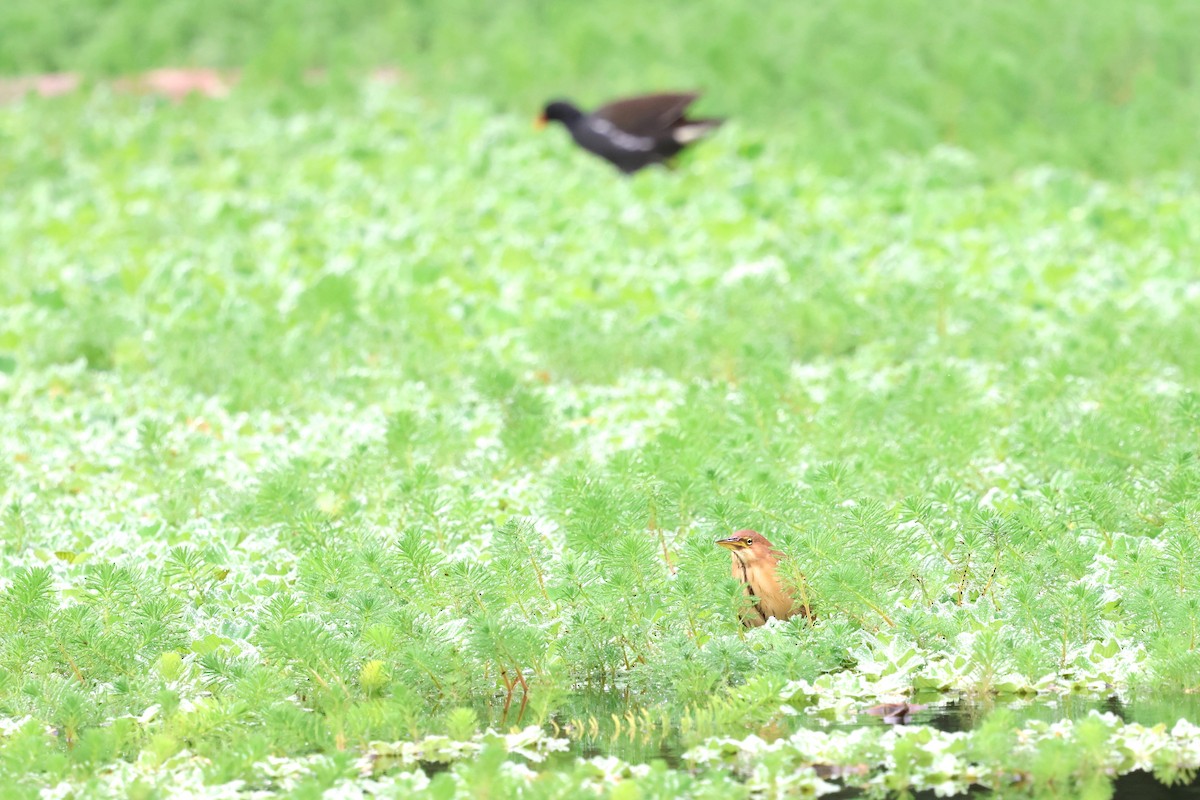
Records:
x=732, y=543
x=539, y=122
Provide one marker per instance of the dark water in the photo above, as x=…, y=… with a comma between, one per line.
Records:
x=638, y=737
x=1134, y=786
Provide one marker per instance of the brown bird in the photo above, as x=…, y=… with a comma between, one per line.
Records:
x=755, y=563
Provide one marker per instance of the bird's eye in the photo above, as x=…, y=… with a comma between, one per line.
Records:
x=748, y=540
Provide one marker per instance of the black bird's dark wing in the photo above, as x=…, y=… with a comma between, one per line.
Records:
x=647, y=115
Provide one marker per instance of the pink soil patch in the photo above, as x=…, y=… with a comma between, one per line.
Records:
x=52, y=84
x=386, y=75
x=174, y=83
x=179, y=83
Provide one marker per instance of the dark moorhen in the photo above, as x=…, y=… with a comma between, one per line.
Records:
x=634, y=132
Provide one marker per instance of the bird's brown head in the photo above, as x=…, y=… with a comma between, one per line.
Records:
x=747, y=543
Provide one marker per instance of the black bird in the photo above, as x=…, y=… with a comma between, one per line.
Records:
x=634, y=132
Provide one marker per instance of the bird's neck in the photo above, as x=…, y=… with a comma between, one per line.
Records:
x=570, y=116
x=745, y=570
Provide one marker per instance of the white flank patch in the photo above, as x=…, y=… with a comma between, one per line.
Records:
x=626, y=141
x=690, y=133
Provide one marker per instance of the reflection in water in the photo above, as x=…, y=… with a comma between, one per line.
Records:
x=614, y=724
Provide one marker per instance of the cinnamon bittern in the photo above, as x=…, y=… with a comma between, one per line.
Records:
x=755, y=563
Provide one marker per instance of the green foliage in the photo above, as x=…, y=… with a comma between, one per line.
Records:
x=338, y=422
x=1102, y=86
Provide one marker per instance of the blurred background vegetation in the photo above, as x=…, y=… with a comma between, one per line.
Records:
x=1107, y=86
x=368, y=396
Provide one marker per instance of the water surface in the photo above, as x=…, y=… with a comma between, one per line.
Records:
x=612, y=724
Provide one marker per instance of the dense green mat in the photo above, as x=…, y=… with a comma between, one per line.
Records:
x=334, y=415
x=322, y=425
